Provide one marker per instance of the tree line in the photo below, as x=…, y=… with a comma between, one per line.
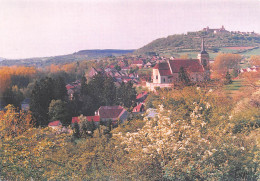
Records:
x=50, y=102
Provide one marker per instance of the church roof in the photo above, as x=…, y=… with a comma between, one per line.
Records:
x=191, y=65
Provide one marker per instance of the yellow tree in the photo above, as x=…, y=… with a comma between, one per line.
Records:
x=14, y=123
x=224, y=62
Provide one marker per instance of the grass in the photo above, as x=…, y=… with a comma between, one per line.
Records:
x=226, y=50
x=252, y=52
x=236, y=85
x=231, y=89
x=194, y=54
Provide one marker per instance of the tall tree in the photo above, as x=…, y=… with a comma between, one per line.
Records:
x=13, y=96
x=126, y=94
x=60, y=91
x=43, y=92
x=58, y=110
x=183, y=76
x=109, y=92
x=225, y=62
x=228, y=79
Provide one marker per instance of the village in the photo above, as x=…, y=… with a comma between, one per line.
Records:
x=162, y=73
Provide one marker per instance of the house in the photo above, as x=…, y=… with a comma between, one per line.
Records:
x=96, y=120
x=141, y=97
x=25, y=105
x=166, y=73
x=148, y=65
x=55, y=125
x=114, y=113
x=139, y=108
x=252, y=69
x=137, y=63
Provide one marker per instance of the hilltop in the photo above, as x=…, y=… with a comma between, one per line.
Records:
x=62, y=59
x=215, y=40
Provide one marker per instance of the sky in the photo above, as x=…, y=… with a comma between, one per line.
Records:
x=38, y=28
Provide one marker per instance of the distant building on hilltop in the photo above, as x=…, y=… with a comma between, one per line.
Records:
x=165, y=74
x=215, y=31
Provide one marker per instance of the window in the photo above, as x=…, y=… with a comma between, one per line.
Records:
x=156, y=76
x=163, y=79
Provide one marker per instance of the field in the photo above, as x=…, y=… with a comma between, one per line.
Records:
x=234, y=87
x=252, y=52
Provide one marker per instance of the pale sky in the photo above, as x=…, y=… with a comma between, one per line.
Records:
x=37, y=28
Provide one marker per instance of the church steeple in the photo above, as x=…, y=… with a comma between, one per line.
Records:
x=203, y=57
x=203, y=51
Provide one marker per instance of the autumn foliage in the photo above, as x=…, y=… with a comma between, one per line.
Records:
x=225, y=62
x=6, y=74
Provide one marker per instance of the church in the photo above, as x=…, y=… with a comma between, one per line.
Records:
x=166, y=73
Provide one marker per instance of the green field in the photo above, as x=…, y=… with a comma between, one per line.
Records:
x=194, y=54
x=252, y=52
x=226, y=50
x=234, y=87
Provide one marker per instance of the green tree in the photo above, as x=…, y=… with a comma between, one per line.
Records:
x=13, y=96
x=117, y=67
x=43, y=92
x=109, y=92
x=126, y=94
x=183, y=76
x=228, y=79
x=60, y=91
x=58, y=110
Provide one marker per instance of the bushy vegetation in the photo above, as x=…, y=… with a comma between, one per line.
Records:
x=195, y=137
x=200, y=133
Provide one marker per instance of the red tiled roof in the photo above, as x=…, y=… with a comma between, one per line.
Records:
x=55, y=123
x=75, y=120
x=141, y=95
x=94, y=118
x=165, y=72
x=69, y=86
x=138, y=62
x=191, y=65
x=138, y=107
x=161, y=66
x=125, y=68
x=110, y=111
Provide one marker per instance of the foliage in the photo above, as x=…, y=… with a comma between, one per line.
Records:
x=58, y=110
x=10, y=76
x=224, y=62
x=126, y=94
x=189, y=149
x=101, y=91
x=44, y=91
x=192, y=138
x=86, y=128
x=255, y=60
x=228, y=79
x=14, y=123
x=183, y=77
x=13, y=96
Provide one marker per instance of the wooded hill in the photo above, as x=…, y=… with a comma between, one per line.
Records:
x=62, y=59
x=192, y=41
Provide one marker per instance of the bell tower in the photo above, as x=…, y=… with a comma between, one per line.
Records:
x=203, y=57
